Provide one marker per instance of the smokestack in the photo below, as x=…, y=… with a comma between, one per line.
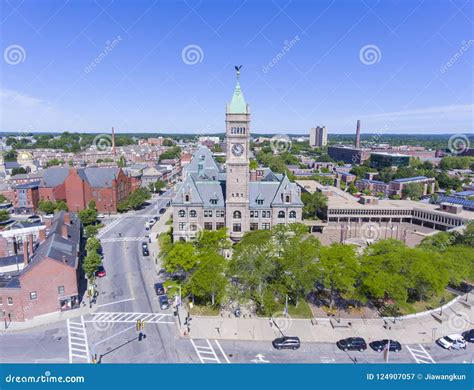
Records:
x=42, y=235
x=67, y=218
x=64, y=231
x=357, y=142
x=113, y=141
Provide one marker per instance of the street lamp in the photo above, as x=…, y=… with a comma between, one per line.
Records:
x=179, y=303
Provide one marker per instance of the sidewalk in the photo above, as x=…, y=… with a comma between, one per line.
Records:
x=420, y=330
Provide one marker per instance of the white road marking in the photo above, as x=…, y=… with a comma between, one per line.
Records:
x=151, y=318
x=124, y=239
x=207, y=353
x=77, y=342
x=420, y=355
x=113, y=303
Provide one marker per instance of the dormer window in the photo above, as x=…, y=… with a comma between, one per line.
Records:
x=186, y=198
x=287, y=198
x=259, y=201
x=213, y=201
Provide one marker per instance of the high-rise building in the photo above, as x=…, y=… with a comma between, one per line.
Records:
x=318, y=136
x=357, y=141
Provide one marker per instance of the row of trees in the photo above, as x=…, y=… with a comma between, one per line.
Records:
x=50, y=207
x=134, y=201
x=269, y=265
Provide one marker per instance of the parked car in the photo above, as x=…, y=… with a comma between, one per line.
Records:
x=381, y=345
x=34, y=218
x=49, y=216
x=469, y=336
x=452, y=341
x=100, y=273
x=151, y=222
x=164, y=303
x=156, y=218
x=100, y=216
x=159, y=289
x=287, y=342
x=162, y=210
x=352, y=344
x=145, y=251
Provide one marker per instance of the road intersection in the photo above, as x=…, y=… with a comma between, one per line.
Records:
x=126, y=295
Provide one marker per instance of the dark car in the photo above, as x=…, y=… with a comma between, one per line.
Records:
x=162, y=211
x=352, y=344
x=286, y=342
x=100, y=271
x=380, y=345
x=469, y=336
x=164, y=303
x=159, y=289
x=145, y=250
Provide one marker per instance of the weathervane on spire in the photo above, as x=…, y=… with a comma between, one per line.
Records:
x=237, y=69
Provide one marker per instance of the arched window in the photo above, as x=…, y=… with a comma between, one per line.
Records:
x=293, y=214
x=287, y=199
x=186, y=198
x=181, y=213
x=281, y=214
x=237, y=214
x=192, y=213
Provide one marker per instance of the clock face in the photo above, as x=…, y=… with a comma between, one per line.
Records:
x=237, y=149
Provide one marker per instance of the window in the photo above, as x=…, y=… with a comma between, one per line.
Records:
x=220, y=213
x=10, y=301
x=33, y=295
x=254, y=214
x=287, y=199
x=281, y=214
x=292, y=214
x=237, y=227
x=266, y=214
x=208, y=213
x=213, y=201
x=219, y=225
x=207, y=225
x=259, y=201
x=1, y=301
x=192, y=213
x=182, y=226
x=265, y=226
x=253, y=226
x=193, y=227
x=237, y=214
x=60, y=290
x=186, y=198
x=182, y=213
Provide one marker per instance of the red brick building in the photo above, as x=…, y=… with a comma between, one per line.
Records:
x=107, y=186
x=43, y=277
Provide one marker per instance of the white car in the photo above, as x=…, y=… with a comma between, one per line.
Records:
x=100, y=216
x=151, y=222
x=49, y=216
x=452, y=341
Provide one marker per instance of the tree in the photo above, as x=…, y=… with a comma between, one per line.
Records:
x=168, y=142
x=209, y=280
x=180, y=258
x=3, y=199
x=171, y=153
x=413, y=191
x=46, y=206
x=92, y=244
x=91, y=230
x=352, y=189
x=88, y=216
x=61, y=205
x=4, y=215
x=253, y=164
x=338, y=269
x=90, y=264
x=312, y=203
x=18, y=171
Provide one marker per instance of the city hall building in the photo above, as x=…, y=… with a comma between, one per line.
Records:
x=241, y=200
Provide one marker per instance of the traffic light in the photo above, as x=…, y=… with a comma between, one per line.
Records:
x=140, y=325
x=140, y=336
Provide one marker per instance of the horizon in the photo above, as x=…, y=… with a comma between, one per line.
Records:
x=399, y=67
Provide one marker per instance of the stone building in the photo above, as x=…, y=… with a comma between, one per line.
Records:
x=212, y=198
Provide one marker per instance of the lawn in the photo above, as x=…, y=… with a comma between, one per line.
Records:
x=302, y=311
x=432, y=303
x=198, y=310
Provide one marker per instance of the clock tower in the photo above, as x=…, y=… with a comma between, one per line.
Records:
x=237, y=163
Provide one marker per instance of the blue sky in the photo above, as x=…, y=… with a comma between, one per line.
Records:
x=399, y=66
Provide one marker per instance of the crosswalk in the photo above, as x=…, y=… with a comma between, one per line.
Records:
x=420, y=354
x=77, y=342
x=123, y=239
x=151, y=318
x=110, y=226
x=207, y=353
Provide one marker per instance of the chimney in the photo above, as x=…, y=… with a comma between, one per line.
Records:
x=64, y=231
x=25, y=253
x=15, y=245
x=30, y=243
x=42, y=235
x=48, y=222
x=253, y=175
x=357, y=142
x=113, y=141
x=67, y=218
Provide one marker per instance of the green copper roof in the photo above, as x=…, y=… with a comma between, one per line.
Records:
x=237, y=104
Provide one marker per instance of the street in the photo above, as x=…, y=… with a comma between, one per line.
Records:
x=108, y=332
